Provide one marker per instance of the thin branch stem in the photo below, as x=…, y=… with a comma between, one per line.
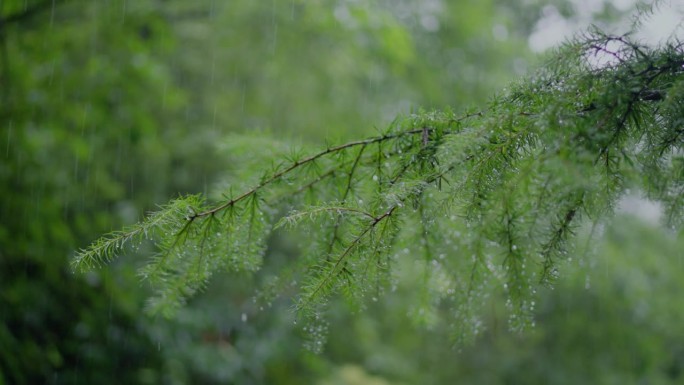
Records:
x=299, y=163
x=330, y=150
x=338, y=220
x=347, y=251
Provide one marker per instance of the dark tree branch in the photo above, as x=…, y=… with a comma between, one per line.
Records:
x=27, y=13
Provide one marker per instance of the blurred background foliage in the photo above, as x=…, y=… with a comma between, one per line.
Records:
x=108, y=108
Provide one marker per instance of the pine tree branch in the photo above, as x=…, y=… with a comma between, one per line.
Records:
x=347, y=189
x=523, y=170
x=558, y=238
x=330, y=150
x=341, y=258
x=299, y=163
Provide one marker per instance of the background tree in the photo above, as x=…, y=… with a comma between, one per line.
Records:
x=72, y=149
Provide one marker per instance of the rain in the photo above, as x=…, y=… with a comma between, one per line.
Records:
x=341, y=192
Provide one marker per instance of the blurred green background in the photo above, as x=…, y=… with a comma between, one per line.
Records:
x=111, y=107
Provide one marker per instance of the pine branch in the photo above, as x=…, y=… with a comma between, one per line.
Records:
x=105, y=248
x=347, y=189
x=299, y=163
x=332, y=272
x=295, y=217
x=515, y=177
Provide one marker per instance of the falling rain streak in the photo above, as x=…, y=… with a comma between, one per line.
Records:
x=303, y=187
x=9, y=138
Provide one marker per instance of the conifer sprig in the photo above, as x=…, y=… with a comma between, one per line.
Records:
x=481, y=203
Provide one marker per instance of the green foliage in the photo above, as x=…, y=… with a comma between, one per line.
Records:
x=602, y=324
x=63, y=330
x=108, y=108
x=256, y=65
x=89, y=110
x=483, y=202
x=612, y=317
